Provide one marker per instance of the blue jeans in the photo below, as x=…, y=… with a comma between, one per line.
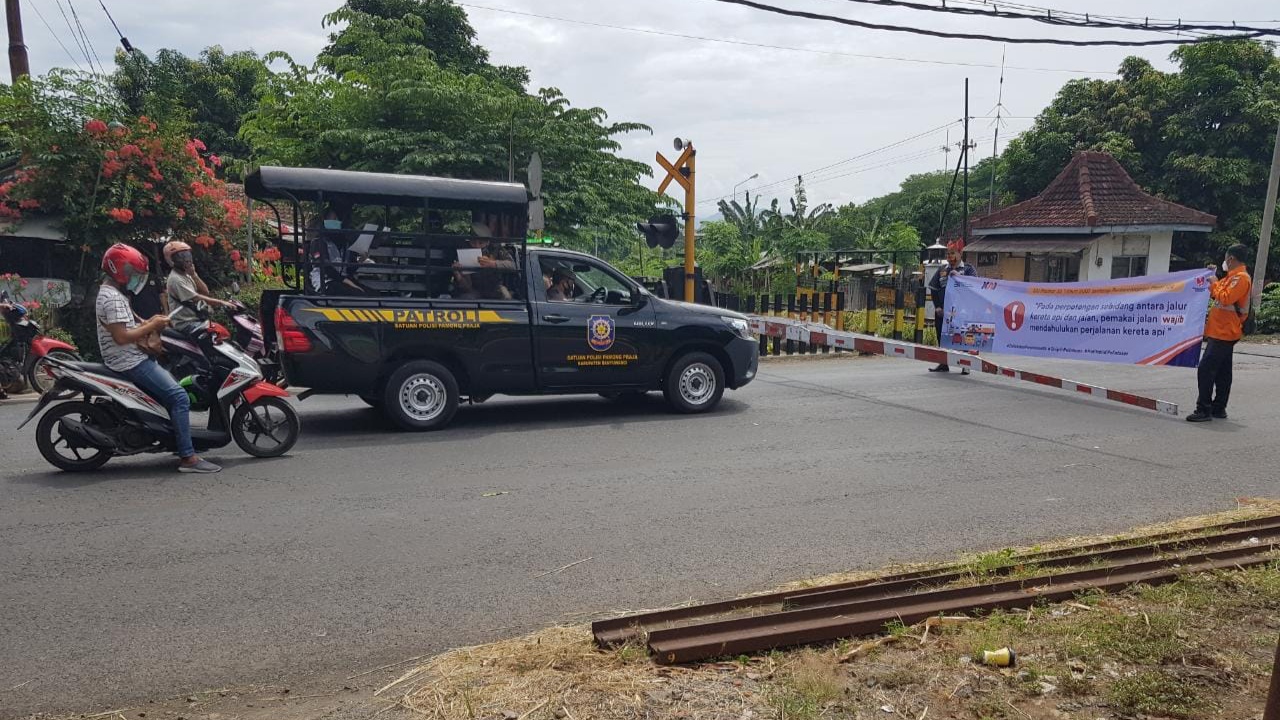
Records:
x=159, y=384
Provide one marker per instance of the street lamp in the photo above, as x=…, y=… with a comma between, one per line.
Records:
x=735, y=187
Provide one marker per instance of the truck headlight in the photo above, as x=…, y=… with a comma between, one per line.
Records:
x=740, y=327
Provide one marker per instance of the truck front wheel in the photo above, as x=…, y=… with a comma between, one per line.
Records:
x=421, y=395
x=695, y=383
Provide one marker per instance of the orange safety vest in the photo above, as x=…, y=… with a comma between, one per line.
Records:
x=1230, y=306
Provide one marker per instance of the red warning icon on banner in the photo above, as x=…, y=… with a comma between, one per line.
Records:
x=1015, y=316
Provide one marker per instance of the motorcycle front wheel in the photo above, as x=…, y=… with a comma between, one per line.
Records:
x=267, y=427
x=65, y=451
x=40, y=379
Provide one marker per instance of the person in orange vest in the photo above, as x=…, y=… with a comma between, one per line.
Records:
x=1224, y=328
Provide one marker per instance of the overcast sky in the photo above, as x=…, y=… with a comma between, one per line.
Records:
x=775, y=112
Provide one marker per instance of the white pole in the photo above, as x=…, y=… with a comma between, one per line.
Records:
x=1268, y=215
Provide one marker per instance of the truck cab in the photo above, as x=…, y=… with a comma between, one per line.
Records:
x=440, y=300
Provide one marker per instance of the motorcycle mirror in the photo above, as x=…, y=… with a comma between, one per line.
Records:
x=235, y=287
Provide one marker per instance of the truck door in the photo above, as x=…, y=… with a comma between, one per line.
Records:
x=592, y=328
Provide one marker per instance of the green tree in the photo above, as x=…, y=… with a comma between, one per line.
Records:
x=385, y=104
x=209, y=95
x=748, y=217
x=445, y=32
x=1200, y=136
x=801, y=217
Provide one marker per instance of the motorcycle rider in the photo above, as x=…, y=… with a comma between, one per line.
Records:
x=184, y=287
x=119, y=331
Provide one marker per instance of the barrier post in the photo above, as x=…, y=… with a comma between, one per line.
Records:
x=898, y=313
x=777, y=310
x=791, y=315
x=919, y=338
x=803, y=312
x=873, y=314
x=839, y=313
x=826, y=317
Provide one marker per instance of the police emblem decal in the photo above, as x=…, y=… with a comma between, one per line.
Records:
x=600, y=332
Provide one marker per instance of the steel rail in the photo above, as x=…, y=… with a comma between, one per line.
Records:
x=832, y=622
x=1137, y=552
x=617, y=631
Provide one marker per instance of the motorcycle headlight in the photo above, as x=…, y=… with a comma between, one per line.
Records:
x=740, y=327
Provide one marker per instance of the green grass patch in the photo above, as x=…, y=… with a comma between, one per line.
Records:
x=1159, y=693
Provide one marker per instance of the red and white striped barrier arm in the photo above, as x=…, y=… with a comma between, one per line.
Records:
x=817, y=334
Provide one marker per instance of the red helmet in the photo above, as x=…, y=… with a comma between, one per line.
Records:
x=120, y=262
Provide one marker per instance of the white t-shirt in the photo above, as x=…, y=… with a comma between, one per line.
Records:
x=113, y=307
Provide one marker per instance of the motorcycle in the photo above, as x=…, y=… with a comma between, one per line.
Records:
x=247, y=334
x=24, y=358
x=117, y=418
x=185, y=360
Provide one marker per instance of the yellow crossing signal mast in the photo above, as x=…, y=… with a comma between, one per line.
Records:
x=682, y=172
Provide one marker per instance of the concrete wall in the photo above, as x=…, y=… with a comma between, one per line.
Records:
x=1156, y=246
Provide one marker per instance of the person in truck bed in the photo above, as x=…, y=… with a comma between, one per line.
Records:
x=327, y=275
x=486, y=282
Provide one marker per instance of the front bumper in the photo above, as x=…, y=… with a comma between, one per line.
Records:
x=745, y=356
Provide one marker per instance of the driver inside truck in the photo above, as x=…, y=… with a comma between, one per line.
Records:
x=562, y=286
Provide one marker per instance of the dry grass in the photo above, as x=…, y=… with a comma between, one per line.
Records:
x=1129, y=651
x=559, y=673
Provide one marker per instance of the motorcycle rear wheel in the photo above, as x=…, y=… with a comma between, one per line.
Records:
x=49, y=437
x=268, y=427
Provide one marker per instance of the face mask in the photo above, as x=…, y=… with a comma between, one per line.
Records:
x=135, y=283
x=1224, y=267
x=332, y=224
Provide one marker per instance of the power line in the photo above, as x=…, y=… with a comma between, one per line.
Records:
x=1062, y=19
x=89, y=43
x=84, y=52
x=1131, y=18
x=978, y=36
x=745, y=43
x=869, y=153
x=124, y=41
x=56, y=38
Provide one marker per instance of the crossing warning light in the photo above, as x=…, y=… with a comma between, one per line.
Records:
x=660, y=231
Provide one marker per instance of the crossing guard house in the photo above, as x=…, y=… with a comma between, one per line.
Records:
x=1092, y=222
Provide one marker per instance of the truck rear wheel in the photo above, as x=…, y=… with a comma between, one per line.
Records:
x=695, y=383
x=421, y=395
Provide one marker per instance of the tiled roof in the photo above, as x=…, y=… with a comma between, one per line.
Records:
x=1092, y=191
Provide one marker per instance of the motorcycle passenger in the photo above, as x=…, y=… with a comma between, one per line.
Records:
x=119, y=331
x=184, y=288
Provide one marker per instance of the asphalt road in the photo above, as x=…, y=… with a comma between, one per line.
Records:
x=369, y=546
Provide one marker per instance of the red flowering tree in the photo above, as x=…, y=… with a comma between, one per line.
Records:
x=113, y=178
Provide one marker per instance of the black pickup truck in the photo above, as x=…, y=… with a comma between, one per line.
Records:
x=440, y=299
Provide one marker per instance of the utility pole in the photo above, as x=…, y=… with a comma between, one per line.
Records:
x=946, y=151
x=995, y=141
x=964, y=236
x=19, y=65
x=1268, y=216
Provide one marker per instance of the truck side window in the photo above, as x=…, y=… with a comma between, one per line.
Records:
x=585, y=282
